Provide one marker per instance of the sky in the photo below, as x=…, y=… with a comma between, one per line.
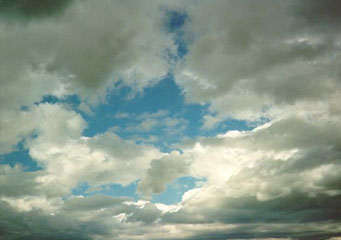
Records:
x=157, y=120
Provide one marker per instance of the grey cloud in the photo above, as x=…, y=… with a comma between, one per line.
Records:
x=36, y=224
x=161, y=172
x=277, y=181
x=14, y=182
x=285, y=134
x=26, y=10
x=102, y=207
x=84, y=51
x=79, y=218
x=292, y=208
x=292, y=216
x=147, y=214
x=92, y=203
x=290, y=176
x=249, y=56
x=310, y=159
x=267, y=232
x=281, y=159
x=326, y=13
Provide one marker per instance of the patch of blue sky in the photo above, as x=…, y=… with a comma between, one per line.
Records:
x=182, y=46
x=175, y=20
x=164, y=96
x=228, y=125
x=176, y=189
x=174, y=23
x=72, y=100
x=114, y=190
x=20, y=156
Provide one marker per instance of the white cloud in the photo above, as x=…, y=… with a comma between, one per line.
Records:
x=52, y=122
x=68, y=158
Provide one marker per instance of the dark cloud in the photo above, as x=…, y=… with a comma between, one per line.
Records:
x=14, y=182
x=243, y=61
x=161, y=172
x=91, y=46
x=294, y=208
x=92, y=203
x=148, y=214
x=31, y=9
x=37, y=225
x=258, y=232
x=327, y=12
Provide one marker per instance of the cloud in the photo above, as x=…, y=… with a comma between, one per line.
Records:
x=30, y=225
x=66, y=157
x=92, y=203
x=147, y=214
x=16, y=183
x=99, y=160
x=85, y=51
x=28, y=10
x=257, y=179
x=247, y=63
x=161, y=172
x=282, y=172
x=147, y=125
x=37, y=121
x=277, y=62
x=326, y=13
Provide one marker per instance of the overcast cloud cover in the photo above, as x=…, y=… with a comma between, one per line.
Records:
x=111, y=108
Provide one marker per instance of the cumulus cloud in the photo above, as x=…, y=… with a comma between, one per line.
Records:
x=162, y=171
x=98, y=160
x=246, y=62
x=252, y=180
x=273, y=62
x=16, y=183
x=66, y=157
x=37, y=121
x=87, y=49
